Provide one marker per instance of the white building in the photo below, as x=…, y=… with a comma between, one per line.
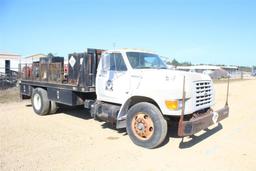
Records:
x=32, y=58
x=207, y=68
x=198, y=68
x=230, y=69
x=9, y=62
x=215, y=72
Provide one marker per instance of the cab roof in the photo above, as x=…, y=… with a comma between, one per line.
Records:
x=131, y=50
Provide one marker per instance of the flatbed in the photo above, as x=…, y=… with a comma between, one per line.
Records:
x=129, y=88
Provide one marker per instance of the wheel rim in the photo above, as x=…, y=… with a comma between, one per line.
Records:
x=37, y=101
x=142, y=126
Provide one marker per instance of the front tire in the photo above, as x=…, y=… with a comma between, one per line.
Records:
x=40, y=101
x=146, y=125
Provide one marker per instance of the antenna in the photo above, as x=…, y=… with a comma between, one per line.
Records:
x=114, y=45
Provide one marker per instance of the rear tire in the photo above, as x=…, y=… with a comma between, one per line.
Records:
x=40, y=101
x=146, y=125
x=53, y=107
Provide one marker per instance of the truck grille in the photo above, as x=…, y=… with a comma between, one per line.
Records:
x=204, y=93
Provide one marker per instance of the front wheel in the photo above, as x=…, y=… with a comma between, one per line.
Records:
x=146, y=126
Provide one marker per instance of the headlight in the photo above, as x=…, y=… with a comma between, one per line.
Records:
x=173, y=104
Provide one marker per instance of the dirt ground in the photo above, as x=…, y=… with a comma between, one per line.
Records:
x=71, y=140
x=9, y=95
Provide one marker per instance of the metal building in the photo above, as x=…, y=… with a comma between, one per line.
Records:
x=32, y=58
x=9, y=63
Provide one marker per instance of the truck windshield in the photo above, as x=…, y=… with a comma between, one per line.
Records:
x=140, y=60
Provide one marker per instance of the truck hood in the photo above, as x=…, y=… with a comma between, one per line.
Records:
x=171, y=75
x=164, y=80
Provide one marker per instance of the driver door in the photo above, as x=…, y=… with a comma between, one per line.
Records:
x=113, y=81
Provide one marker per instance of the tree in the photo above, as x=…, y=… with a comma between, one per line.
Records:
x=168, y=63
x=175, y=62
x=186, y=64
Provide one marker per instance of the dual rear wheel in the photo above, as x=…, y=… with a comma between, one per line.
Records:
x=41, y=104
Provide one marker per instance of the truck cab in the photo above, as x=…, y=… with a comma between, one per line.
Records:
x=144, y=94
x=128, y=73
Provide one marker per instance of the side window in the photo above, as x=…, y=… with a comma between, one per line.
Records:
x=113, y=62
x=118, y=62
x=106, y=62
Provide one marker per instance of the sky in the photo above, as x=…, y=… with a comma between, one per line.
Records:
x=196, y=31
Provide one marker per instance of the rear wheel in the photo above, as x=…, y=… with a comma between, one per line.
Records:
x=53, y=107
x=145, y=125
x=40, y=101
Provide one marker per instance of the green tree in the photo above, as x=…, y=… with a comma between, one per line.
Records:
x=186, y=64
x=175, y=62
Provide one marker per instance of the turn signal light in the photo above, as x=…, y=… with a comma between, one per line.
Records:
x=172, y=104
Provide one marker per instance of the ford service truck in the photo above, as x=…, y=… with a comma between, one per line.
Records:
x=130, y=88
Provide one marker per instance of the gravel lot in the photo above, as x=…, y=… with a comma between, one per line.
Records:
x=71, y=140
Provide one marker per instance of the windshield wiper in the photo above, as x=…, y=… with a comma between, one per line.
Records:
x=143, y=67
x=162, y=68
x=146, y=67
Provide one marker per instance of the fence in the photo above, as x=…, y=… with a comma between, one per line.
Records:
x=8, y=80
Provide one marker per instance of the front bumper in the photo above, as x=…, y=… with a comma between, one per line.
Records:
x=203, y=121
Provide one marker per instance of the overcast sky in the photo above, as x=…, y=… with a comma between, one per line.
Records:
x=198, y=31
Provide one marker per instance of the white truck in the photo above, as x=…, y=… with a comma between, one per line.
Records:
x=130, y=88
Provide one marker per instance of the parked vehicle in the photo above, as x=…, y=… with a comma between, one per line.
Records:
x=130, y=88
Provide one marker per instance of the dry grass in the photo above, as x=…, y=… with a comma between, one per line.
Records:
x=9, y=95
x=232, y=80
